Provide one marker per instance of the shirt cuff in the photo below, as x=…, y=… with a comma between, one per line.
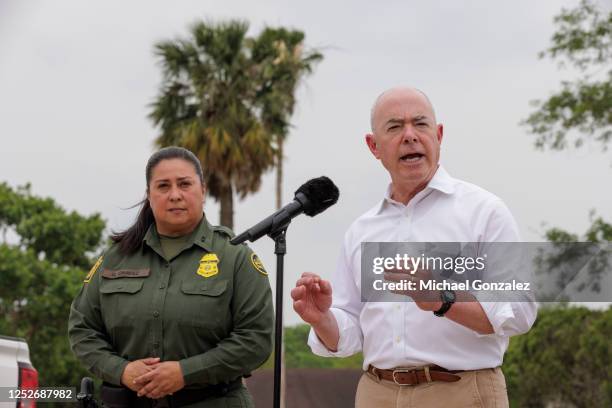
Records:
x=498, y=314
x=192, y=369
x=112, y=368
x=346, y=341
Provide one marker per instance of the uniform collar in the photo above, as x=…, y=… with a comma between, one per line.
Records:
x=441, y=181
x=201, y=236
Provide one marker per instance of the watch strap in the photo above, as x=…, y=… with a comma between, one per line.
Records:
x=447, y=303
x=443, y=309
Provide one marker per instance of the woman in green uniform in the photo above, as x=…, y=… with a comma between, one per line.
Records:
x=173, y=314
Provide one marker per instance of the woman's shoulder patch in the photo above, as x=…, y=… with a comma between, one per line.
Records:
x=257, y=264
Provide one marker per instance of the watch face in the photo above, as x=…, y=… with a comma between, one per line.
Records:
x=448, y=296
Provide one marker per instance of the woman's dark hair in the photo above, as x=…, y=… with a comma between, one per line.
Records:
x=129, y=241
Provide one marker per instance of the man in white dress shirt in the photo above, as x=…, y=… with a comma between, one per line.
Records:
x=445, y=352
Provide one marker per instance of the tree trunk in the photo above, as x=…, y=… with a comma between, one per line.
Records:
x=227, y=207
x=279, y=173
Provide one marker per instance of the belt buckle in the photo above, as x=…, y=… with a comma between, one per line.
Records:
x=404, y=370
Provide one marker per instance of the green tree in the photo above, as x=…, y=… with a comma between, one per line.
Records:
x=207, y=104
x=574, y=263
x=284, y=62
x=582, y=109
x=40, y=273
x=564, y=359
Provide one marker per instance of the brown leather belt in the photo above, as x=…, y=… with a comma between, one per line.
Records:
x=414, y=376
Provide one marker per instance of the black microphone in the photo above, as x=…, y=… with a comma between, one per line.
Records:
x=312, y=198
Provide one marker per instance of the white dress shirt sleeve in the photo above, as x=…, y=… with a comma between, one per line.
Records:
x=346, y=306
x=506, y=318
x=510, y=318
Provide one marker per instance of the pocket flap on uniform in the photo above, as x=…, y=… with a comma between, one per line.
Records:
x=206, y=288
x=121, y=286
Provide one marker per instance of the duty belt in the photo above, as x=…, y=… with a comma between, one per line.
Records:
x=120, y=397
x=414, y=376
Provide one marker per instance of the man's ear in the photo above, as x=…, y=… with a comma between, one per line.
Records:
x=440, y=132
x=371, y=142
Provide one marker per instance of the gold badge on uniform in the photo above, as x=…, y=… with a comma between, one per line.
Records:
x=208, y=265
x=93, y=270
x=257, y=264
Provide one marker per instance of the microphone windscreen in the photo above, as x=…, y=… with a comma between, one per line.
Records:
x=321, y=193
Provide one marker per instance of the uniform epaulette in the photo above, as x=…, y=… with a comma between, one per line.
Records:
x=224, y=230
x=94, y=269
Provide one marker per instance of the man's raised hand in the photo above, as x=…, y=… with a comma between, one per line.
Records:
x=312, y=297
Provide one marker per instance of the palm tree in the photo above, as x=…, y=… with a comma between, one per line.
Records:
x=279, y=54
x=206, y=103
x=283, y=62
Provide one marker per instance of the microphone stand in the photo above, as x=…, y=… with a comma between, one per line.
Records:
x=280, y=249
x=275, y=226
x=278, y=232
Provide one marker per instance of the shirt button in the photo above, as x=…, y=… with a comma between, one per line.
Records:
x=167, y=264
x=156, y=314
x=397, y=339
x=156, y=344
x=162, y=286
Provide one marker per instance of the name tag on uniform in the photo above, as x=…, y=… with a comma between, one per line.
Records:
x=126, y=273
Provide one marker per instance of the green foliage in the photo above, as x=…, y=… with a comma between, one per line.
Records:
x=599, y=231
x=206, y=104
x=583, y=36
x=40, y=275
x=584, y=40
x=283, y=62
x=565, y=357
x=569, y=255
x=299, y=355
x=47, y=229
x=583, y=108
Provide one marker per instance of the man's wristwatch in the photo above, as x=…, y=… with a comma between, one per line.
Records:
x=448, y=298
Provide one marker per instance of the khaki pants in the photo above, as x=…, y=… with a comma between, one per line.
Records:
x=480, y=388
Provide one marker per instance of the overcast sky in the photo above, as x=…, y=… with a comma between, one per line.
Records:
x=76, y=79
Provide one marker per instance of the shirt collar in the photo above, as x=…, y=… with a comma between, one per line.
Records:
x=441, y=181
x=201, y=236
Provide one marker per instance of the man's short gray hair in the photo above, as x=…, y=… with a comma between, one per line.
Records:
x=375, y=105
